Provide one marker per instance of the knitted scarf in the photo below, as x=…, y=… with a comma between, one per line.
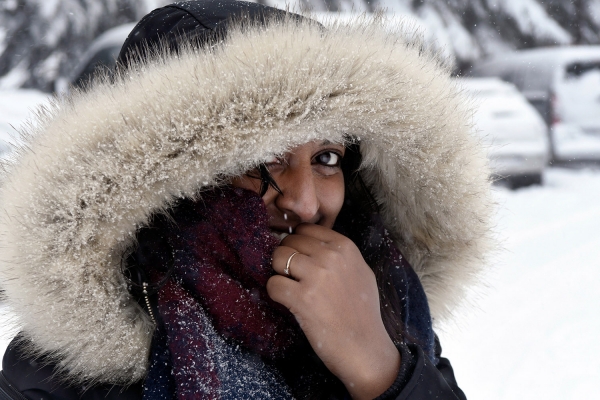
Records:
x=215, y=321
x=219, y=335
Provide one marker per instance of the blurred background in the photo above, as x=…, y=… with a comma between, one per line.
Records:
x=531, y=68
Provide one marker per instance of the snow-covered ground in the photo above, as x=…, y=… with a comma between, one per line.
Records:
x=533, y=331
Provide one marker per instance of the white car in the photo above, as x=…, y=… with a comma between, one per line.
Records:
x=563, y=83
x=516, y=135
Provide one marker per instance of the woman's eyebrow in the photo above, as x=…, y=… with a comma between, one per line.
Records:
x=328, y=142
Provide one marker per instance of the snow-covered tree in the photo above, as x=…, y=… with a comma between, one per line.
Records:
x=40, y=39
x=479, y=28
x=581, y=18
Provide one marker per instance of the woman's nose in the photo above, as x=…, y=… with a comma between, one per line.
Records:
x=299, y=195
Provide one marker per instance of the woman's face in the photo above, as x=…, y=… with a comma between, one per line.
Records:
x=312, y=186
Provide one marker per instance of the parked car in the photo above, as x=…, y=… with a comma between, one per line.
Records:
x=515, y=133
x=102, y=54
x=563, y=84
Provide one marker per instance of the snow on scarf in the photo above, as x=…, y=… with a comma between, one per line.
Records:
x=216, y=322
x=219, y=335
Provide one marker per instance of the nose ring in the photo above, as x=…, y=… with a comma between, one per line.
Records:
x=287, y=265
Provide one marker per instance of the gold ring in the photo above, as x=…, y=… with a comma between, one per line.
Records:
x=287, y=265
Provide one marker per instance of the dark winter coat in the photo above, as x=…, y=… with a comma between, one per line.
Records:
x=97, y=165
x=421, y=376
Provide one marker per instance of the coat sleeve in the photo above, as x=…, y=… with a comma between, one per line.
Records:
x=419, y=378
x=25, y=377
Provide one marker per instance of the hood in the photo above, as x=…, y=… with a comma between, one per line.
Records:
x=98, y=164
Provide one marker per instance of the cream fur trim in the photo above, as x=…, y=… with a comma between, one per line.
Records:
x=97, y=165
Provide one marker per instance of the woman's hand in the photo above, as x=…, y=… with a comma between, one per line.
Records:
x=334, y=297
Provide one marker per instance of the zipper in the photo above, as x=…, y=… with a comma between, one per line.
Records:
x=8, y=391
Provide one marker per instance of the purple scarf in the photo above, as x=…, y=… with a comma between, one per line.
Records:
x=219, y=335
x=214, y=310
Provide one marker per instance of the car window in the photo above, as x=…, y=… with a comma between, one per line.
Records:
x=577, y=69
x=103, y=59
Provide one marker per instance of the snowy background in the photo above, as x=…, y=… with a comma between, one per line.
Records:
x=533, y=331
x=40, y=40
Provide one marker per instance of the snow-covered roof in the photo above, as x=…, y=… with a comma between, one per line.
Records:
x=485, y=84
x=555, y=55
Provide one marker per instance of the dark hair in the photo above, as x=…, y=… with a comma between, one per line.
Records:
x=360, y=201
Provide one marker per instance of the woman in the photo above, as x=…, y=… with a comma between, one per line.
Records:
x=144, y=225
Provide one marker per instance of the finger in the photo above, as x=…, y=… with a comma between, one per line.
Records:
x=305, y=244
x=283, y=290
x=318, y=232
x=299, y=264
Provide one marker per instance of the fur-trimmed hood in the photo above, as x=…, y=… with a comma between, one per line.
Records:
x=96, y=165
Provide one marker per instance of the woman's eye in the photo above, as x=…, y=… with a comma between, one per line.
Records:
x=329, y=158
